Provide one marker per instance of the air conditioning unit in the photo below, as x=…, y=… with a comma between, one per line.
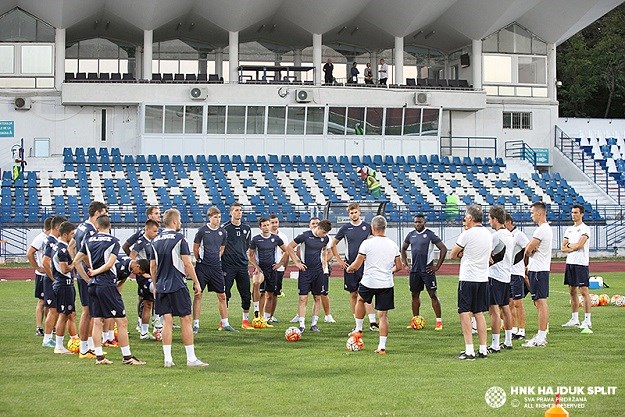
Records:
x=198, y=93
x=303, y=96
x=22, y=103
x=422, y=99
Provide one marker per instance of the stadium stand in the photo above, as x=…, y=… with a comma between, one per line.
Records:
x=287, y=185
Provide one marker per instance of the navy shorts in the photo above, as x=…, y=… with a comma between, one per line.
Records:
x=517, y=287
x=242, y=277
x=49, y=297
x=352, y=281
x=279, y=278
x=539, y=284
x=326, y=284
x=499, y=292
x=105, y=302
x=176, y=303
x=421, y=280
x=66, y=299
x=384, y=297
x=211, y=278
x=83, y=289
x=310, y=281
x=269, y=281
x=472, y=297
x=143, y=289
x=576, y=275
x=39, y=286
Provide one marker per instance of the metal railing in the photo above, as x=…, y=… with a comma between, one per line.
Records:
x=520, y=150
x=471, y=145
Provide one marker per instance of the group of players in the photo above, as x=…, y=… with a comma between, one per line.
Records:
x=492, y=275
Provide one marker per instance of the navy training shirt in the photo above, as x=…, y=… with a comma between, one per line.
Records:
x=237, y=244
x=143, y=247
x=422, y=248
x=265, y=248
x=354, y=236
x=99, y=248
x=122, y=266
x=211, y=241
x=61, y=255
x=169, y=247
x=311, y=247
x=84, y=231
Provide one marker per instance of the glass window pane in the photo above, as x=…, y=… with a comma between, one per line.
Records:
x=193, y=119
x=523, y=40
x=539, y=47
x=532, y=70
x=430, y=122
x=374, y=121
x=153, y=119
x=497, y=69
x=393, y=121
x=174, y=116
x=236, y=120
x=539, y=92
x=507, y=120
x=412, y=122
x=109, y=65
x=216, y=120
x=188, y=67
x=355, y=120
x=526, y=120
x=168, y=66
x=506, y=39
x=275, y=120
x=314, y=121
x=255, y=120
x=42, y=147
x=295, y=121
x=336, y=121
x=491, y=90
x=506, y=91
x=7, y=53
x=489, y=44
x=37, y=59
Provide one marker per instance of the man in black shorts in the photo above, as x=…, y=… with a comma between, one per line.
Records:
x=34, y=254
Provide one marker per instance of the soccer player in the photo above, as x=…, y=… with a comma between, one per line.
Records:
x=313, y=254
x=275, y=229
x=423, y=270
x=576, y=244
x=234, y=260
x=518, y=281
x=83, y=232
x=262, y=256
x=355, y=232
x=473, y=248
x=34, y=254
x=152, y=213
x=499, y=279
x=105, y=301
x=381, y=258
x=142, y=250
x=211, y=238
x=63, y=285
x=49, y=296
x=539, y=253
x=169, y=268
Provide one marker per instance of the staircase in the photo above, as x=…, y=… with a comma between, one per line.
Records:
x=591, y=194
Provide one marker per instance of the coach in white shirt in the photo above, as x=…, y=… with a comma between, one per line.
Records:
x=473, y=248
x=381, y=258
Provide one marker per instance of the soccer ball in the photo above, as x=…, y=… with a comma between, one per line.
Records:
x=292, y=334
x=354, y=344
x=73, y=345
x=259, y=323
x=614, y=299
x=604, y=299
x=594, y=300
x=158, y=333
x=620, y=302
x=417, y=323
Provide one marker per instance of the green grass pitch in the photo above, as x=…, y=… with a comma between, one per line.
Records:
x=257, y=373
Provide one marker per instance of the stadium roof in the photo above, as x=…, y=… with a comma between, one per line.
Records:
x=359, y=25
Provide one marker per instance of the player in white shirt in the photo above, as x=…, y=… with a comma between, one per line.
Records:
x=518, y=280
x=576, y=244
x=381, y=258
x=473, y=248
x=539, y=253
x=499, y=279
x=34, y=254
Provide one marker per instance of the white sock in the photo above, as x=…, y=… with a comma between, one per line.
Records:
x=126, y=351
x=359, y=323
x=224, y=322
x=105, y=336
x=515, y=330
x=167, y=353
x=144, y=328
x=84, y=347
x=495, y=344
x=315, y=319
x=246, y=316
x=508, y=339
x=59, y=342
x=196, y=323
x=587, y=317
x=382, y=343
x=190, y=353
x=372, y=318
x=90, y=343
x=256, y=306
x=266, y=315
x=439, y=320
x=575, y=316
x=98, y=351
x=47, y=337
x=542, y=335
x=302, y=322
x=521, y=331
x=483, y=350
x=468, y=349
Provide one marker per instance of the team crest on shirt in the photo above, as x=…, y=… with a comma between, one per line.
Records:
x=272, y=240
x=424, y=237
x=364, y=227
x=220, y=233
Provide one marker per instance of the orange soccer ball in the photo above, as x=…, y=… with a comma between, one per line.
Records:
x=417, y=323
x=604, y=299
x=292, y=334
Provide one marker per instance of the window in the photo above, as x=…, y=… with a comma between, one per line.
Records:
x=174, y=117
x=236, y=120
x=216, y=120
x=295, y=121
x=314, y=121
x=517, y=120
x=42, y=147
x=412, y=122
x=153, y=119
x=497, y=69
x=374, y=121
x=355, y=120
x=193, y=119
x=275, y=120
x=394, y=119
x=20, y=26
x=255, y=120
x=532, y=70
x=429, y=123
x=7, y=55
x=336, y=121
